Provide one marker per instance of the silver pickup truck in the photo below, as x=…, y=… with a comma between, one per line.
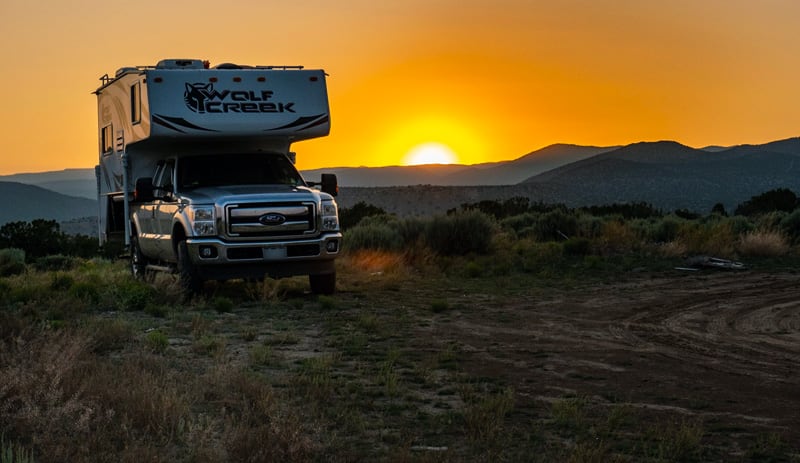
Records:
x=235, y=216
x=196, y=176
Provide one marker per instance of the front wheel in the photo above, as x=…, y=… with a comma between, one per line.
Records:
x=190, y=281
x=323, y=284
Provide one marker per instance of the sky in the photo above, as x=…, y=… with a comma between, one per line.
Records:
x=476, y=80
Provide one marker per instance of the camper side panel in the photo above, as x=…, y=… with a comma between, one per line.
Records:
x=123, y=118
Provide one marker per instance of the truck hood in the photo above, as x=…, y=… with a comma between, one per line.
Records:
x=246, y=193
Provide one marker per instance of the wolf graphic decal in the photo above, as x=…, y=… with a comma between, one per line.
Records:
x=196, y=95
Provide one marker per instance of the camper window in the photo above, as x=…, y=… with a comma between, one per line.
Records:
x=107, y=140
x=136, y=103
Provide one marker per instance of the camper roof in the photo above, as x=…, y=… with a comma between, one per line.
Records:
x=180, y=64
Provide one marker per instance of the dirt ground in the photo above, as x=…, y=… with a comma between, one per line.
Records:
x=670, y=366
x=720, y=348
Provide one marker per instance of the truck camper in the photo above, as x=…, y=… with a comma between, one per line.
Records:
x=196, y=173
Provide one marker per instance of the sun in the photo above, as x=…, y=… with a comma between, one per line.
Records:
x=430, y=153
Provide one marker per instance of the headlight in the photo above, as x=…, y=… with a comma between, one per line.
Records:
x=203, y=220
x=330, y=216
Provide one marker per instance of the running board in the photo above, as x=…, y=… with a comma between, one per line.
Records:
x=161, y=268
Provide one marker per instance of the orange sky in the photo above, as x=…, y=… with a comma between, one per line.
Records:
x=492, y=80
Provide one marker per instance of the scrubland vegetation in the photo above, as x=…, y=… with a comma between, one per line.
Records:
x=97, y=366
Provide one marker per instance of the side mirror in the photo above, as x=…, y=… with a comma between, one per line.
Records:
x=144, y=190
x=329, y=184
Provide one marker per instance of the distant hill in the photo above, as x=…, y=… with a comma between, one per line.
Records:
x=70, y=182
x=29, y=202
x=516, y=171
x=494, y=173
x=672, y=176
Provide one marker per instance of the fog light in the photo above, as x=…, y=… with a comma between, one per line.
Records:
x=332, y=246
x=208, y=252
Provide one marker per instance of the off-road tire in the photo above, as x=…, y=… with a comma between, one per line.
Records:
x=323, y=284
x=190, y=282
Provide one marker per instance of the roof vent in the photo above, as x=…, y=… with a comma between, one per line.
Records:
x=180, y=64
x=227, y=66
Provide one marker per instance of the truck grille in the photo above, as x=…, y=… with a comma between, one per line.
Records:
x=272, y=220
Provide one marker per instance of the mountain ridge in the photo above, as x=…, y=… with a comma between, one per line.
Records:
x=23, y=202
x=666, y=174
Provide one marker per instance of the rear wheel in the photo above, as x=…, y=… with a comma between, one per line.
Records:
x=323, y=284
x=190, y=281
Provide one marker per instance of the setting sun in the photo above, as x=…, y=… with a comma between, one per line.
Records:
x=430, y=153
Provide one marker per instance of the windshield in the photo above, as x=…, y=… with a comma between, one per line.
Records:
x=236, y=169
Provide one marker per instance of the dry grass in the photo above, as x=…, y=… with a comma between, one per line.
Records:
x=673, y=249
x=374, y=261
x=617, y=237
x=763, y=244
x=62, y=399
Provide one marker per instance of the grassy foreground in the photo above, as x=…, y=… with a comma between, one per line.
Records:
x=95, y=366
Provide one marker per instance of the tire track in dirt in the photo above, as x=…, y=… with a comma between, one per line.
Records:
x=726, y=343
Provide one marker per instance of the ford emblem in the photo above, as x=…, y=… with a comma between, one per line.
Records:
x=272, y=218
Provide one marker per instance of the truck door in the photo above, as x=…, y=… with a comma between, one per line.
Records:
x=144, y=218
x=166, y=206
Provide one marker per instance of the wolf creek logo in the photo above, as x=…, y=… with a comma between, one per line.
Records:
x=203, y=98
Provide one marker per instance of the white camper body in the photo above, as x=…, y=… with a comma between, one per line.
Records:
x=146, y=113
x=150, y=117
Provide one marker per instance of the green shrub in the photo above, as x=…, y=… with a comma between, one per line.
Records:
x=666, y=229
x=350, y=217
x=519, y=223
x=374, y=234
x=326, y=302
x=131, y=295
x=61, y=281
x=411, y=230
x=555, y=225
x=715, y=239
x=740, y=225
x=473, y=269
x=540, y=258
x=87, y=291
x=790, y=225
x=771, y=220
x=589, y=226
x=54, y=263
x=222, y=304
x=12, y=261
x=780, y=199
x=157, y=341
x=461, y=233
x=261, y=354
x=11, y=452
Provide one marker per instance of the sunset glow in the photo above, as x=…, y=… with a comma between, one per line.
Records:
x=490, y=80
x=430, y=153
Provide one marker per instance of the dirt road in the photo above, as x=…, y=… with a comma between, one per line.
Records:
x=718, y=348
